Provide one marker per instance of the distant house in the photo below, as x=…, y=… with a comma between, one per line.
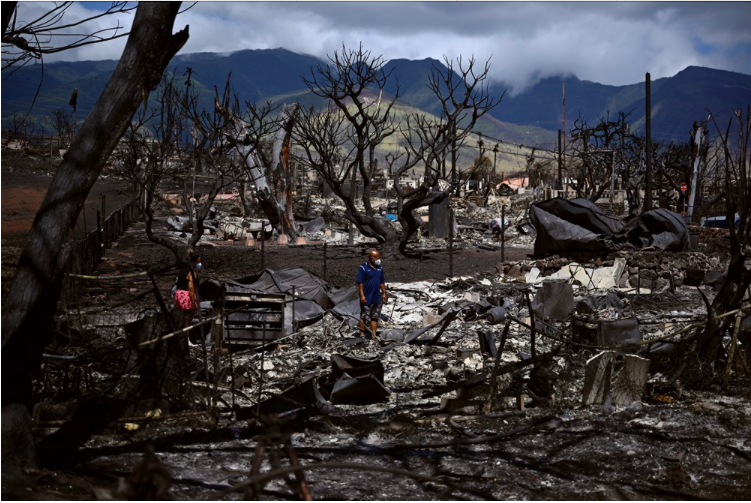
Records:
x=513, y=184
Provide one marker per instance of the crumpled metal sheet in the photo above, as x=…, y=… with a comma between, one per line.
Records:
x=355, y=381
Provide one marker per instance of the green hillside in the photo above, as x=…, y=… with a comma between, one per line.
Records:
x=530, y=118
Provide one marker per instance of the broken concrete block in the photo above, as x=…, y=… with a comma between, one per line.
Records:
x=661, y=286
x=574, y=271
x=628, y=386
x=533, y=276
x=607, y=277
x=472, y=297
x=515, y=271
x=597, y=378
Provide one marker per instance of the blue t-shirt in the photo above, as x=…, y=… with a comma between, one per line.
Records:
x=371, y=281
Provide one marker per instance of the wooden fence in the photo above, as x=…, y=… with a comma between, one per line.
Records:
x=84, y=256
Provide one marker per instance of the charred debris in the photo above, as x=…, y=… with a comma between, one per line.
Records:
x=481, y=386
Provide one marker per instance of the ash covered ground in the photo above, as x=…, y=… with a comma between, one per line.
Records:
x=450, y=426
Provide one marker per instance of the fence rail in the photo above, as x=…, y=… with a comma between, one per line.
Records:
x=84, y=255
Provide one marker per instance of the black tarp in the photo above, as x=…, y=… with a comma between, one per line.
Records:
x=576, y=225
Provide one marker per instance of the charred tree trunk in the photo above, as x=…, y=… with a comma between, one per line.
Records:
x=737, y=191
x=30, y=306
x=266, y=198
x=728, y=298
x=281, y=157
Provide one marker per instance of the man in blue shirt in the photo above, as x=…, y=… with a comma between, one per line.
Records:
x=371, y=283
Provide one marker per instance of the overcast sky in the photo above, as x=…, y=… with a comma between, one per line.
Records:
x=608, y=42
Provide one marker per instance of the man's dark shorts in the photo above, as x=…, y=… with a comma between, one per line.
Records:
x=370, y=312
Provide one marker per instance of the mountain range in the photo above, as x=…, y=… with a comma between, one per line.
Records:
x=531, y=117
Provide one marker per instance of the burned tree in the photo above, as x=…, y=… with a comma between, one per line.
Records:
x=706, y=343
x=464, y=98
x=28, y=310
x=597, y=149
x=19, y=127
x=63, y=124
x=539, y=169
x=270, y=169
x=207, y=159
x=25, y=41
x=147, y=155
x=280, y=163
x=29, y=41
x=248, y=139
x=180, y=141
x=340, y=142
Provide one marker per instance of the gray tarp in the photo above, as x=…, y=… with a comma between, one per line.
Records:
x=307, y=286
x=565, y=226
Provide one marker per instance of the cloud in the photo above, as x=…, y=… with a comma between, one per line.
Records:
x=613, y=43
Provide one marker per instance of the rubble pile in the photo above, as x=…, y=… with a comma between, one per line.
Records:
x=412, y=364
x=562, y=356
x=324, y=220
x=652, y=272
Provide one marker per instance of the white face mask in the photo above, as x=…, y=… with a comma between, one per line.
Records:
x=378, y=262
x=199, y=266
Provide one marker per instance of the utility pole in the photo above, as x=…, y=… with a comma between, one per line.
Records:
x=453, y=154
x=612, y=181
x=495, y=155
x=560, y=163
x=648, y=189
x=479, y=159
x=563, y=156
x=352, y=194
